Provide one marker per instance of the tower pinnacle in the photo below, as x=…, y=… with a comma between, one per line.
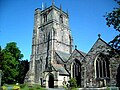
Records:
x=60, y=7
x=52, y=2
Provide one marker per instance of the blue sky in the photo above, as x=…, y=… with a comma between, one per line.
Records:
x=85, y=16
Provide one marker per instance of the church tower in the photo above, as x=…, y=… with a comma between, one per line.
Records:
x=51, y=33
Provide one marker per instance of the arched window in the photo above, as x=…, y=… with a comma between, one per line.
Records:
x=44, y=38
x=102, y=67
x=45, y=17
x=77, y=71
x=61, y=18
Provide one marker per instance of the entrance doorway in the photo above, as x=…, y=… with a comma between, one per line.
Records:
x=51, y=81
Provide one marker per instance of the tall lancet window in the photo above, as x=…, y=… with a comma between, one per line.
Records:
x=77, y=71
x=102, y=67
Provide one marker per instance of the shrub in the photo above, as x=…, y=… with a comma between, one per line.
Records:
x=4, y=87
x=65, y=87
x=73, y=82
x=36, y=86
x=31, y=87
x=74, y=89
x=23, y=85
x=108, y=88
x=16, y=87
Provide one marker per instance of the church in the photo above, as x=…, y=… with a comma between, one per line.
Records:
x=53, y=60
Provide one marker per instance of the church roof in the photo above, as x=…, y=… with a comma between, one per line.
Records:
x=100, y=46
x=100, y=43
x=60, y=69
x=64, y=56
x=83, y=53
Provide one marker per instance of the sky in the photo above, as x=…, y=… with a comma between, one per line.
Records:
x=86, y=21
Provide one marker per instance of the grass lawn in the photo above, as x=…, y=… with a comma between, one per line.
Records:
x=32, y=88
x=23, y=87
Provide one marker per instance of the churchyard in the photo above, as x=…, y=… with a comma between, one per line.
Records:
x=38, y=87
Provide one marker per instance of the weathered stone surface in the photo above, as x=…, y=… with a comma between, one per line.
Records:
x=53, y=60
x=51, y=35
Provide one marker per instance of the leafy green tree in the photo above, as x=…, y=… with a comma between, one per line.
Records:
x=11, y=55
x=14, y=50
x=113, y=19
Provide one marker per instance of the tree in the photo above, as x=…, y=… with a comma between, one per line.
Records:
x=113, y=18
x=11, y=55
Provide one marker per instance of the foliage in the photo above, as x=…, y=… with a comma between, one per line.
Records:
x=16, y=87
x=74, y=89
x=11, y=56
x=73, y=82
x=64, y=86
x=23, y=85
x=33, y=87
x=107, y=88
x=37, y=86
x=113, y=18
x=4, y=87
x=13, y=67
x=23, y=69
x=115, y=43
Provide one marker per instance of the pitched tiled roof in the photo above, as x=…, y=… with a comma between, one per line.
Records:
x=64, y=56
x=83, y=53
x=60, y=69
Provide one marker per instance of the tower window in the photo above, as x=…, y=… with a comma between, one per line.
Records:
x=44, y=38
x=45, y=17
x=61, y=18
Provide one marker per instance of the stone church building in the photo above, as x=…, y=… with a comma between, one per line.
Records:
x=53, y=61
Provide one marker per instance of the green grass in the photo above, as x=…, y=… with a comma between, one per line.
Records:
x=72, y=88
x=31, y=87
x=24, y=87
